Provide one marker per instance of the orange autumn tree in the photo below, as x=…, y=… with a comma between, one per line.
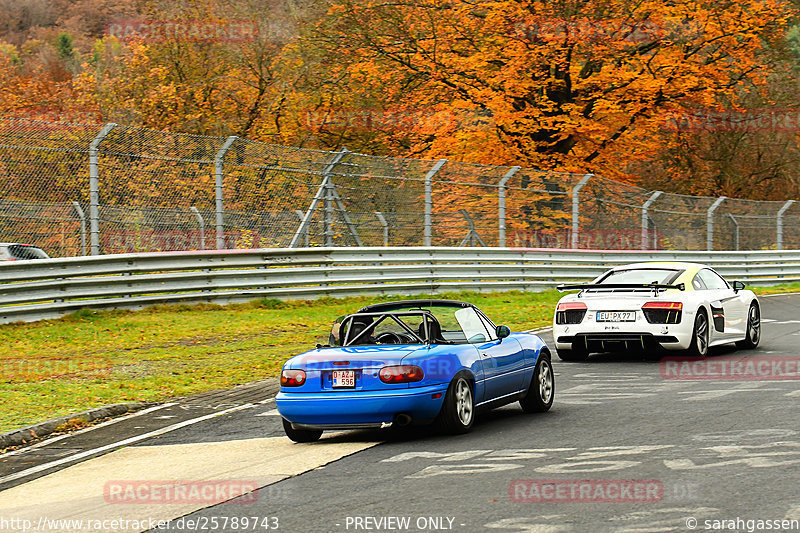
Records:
x=576, y=86
x=162, y=71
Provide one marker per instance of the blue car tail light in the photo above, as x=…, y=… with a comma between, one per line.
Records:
x=293, y=378
x=401, y=374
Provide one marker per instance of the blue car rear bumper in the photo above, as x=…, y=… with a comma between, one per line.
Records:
x=342, y=409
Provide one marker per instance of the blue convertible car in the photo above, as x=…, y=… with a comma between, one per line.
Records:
x=417, y=361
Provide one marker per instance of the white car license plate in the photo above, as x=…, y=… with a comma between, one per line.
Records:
x=344, y=379
x=616, y=316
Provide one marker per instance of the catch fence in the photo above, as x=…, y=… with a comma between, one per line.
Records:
x=81, y=189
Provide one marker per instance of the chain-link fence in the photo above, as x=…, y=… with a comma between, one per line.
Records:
x=77, y=189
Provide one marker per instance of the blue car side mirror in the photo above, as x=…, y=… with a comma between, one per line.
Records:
x=503, y=332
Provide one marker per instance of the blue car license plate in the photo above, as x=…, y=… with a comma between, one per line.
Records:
x=344, y=379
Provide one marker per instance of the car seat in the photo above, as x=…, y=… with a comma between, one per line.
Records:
x=434, y=332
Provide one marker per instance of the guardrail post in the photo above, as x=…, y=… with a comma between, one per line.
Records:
x=81, y=215
x=322, y=194
x=501, y=206
x=736, y=231
x=429, y=199
x=202, y=224
x=576, y=208
x=710, y=222
x=782, y=210
x=219, y=162
x=645, y=208
x=94, y=188
x=385, y=225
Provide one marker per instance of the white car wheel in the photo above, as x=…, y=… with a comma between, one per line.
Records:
x=700, y=335
x=753, y=328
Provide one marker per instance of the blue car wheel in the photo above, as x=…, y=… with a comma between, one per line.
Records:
x=458, y=409
x=542, y=388
x=300, y=435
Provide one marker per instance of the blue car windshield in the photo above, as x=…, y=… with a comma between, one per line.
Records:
x=414, y=326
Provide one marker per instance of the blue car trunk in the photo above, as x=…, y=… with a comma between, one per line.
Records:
x=356, y=367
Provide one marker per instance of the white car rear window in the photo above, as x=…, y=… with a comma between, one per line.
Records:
x=642, y=276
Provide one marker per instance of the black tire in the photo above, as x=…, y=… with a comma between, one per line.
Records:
x=753, y=328
x=458, y=410
x=574, y=355
x=701, y=335
x=542, y=389
x=300, y=435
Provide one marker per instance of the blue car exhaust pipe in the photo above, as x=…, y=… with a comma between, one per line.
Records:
x=401, y=419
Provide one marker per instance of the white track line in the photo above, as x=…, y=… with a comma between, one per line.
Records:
x=85, y=430
x=779, y=294
x=540, y=330
x=131, y=440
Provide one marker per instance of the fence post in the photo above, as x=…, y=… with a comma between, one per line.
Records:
x=429, y=199
x=782, y=210
x=645, y=207
x=576, y=208
x=322, y=194
x=385, y=225
x=736, y=231
x=94, y=188
x=219, y=160
x=710, y=222
x=81, y=215
x=202, y=224
x=501, y=206
x=327, y=220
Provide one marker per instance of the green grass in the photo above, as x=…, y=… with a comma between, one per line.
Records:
x=94, y=358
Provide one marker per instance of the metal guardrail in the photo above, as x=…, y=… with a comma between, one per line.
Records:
x=50, y=288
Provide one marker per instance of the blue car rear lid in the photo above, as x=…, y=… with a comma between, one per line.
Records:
x=355, y=357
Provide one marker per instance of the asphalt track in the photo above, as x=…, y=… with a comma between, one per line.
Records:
x=627, y=447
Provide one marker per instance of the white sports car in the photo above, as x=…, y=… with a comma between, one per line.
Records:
x=677, y=306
